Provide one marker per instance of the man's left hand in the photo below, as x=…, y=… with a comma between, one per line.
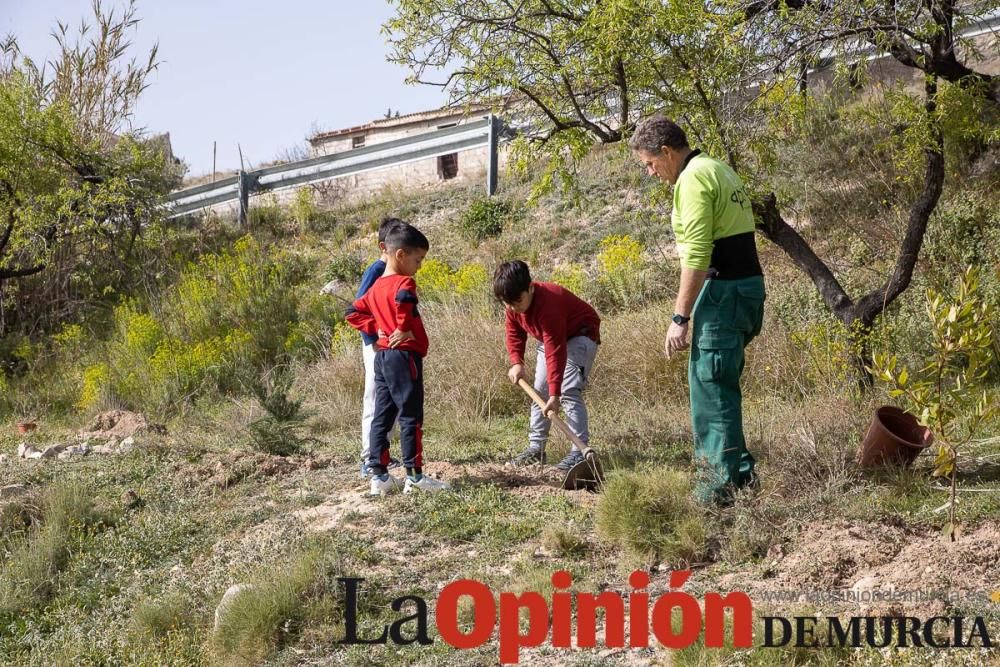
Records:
x=551, y=406
x=677, y=339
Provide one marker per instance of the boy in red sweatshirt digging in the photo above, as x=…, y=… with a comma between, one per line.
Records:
x=389, y=310
x=569, y=331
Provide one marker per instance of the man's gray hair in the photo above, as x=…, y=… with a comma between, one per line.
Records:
x=655, y=132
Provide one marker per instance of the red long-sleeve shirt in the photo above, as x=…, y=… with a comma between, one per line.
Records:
x=390, y=304
x=554, y=316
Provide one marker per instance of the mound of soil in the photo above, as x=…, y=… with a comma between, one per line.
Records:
x=119, y=424
x=886, y=559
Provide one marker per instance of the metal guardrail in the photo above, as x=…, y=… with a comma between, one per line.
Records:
x=484, y=132
x=987, y=23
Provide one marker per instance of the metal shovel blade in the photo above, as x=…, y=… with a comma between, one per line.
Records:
x=586, y=475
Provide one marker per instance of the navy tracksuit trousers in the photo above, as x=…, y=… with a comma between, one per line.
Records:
x=399, y=396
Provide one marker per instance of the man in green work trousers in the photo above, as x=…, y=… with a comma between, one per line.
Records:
x=722, y=290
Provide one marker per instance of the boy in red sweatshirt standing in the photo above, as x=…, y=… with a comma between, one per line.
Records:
x=389, y=310
x=570, y=331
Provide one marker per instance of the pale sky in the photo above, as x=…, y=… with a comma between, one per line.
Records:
x=255, y=73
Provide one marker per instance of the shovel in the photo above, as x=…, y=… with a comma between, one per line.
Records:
x=588, y=473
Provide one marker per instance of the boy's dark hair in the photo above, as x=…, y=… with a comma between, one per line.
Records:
x=511, y=280
x=406, y=237
x=387, y=224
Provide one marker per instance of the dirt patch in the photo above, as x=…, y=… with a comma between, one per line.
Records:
x=531, y=482
x=832, y=556
x=875, y=562
x=119, y=424
x=582, y=498
x=226, y=470
x=332, y=512
x=527, y=482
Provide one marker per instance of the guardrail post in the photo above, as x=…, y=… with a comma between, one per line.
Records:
x=243, y=197
x=491, y=169
x=247, y=183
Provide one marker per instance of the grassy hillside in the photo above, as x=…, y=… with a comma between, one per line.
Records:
x=123, y=558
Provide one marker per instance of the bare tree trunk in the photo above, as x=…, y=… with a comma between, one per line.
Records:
x=859, y=316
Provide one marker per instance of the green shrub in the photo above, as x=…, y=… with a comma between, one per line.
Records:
x=965, y=231
x=651, y=514
x=269, y=614
x=265, y=214
x=309, y=338
x=159, y=617
x=303, y=207
x=947, y=391
x=484, y=219
x=347, y=268
x=563, y=543
x=28, y=578
x=278, y=431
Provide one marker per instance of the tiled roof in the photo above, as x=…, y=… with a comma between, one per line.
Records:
x=406, y=119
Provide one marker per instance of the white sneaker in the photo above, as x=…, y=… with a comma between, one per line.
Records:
x=381, y=487
x=425, y=484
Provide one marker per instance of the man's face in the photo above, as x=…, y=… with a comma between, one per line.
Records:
x=663, y=164
x=408, y=261
x=523, y=302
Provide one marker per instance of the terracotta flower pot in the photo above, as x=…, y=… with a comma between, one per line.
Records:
x=894, y=437
x=26, y=427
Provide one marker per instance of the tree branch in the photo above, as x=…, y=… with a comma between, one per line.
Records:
x=622, y=82
x=873, y=303
x=586, y=122
x=6, y=274
x=559, y=124
x=778, y=231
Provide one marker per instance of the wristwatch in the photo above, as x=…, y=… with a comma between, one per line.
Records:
x=680, y=320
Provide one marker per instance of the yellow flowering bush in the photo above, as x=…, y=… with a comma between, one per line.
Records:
x=437, y=282
x=622, y=271
x=434, y=282
x=343, y=337
x=142, y=332
x=69, y=339
x=96, y=380
x=470, y=280
x=25, y=351
x=570, y=276
x=246, y=287
x=228, y=313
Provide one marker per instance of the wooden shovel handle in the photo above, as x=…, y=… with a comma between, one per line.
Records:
x=560, y=424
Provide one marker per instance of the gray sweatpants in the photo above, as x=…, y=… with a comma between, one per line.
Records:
x=580, y=359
